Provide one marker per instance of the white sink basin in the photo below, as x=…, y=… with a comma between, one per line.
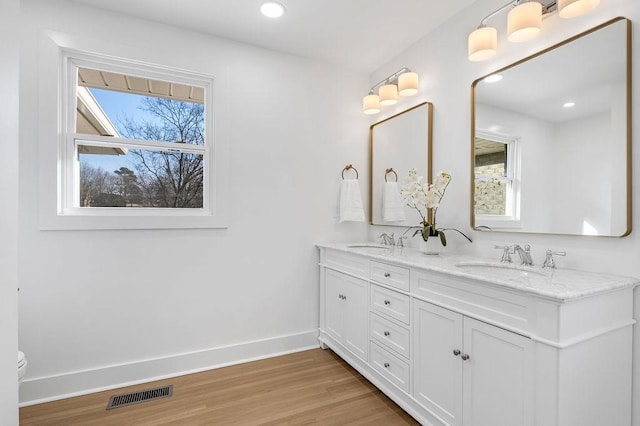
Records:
x=502, y=270
x=371, y=248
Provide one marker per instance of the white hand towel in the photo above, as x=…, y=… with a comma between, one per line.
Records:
x=351, y=201
x=392, y=208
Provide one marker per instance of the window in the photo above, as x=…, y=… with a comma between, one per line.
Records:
x=496, y=179
x=137, y=142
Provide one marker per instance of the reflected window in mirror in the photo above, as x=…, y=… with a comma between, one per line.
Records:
x=497, y=179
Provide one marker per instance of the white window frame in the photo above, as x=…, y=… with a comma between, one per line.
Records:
x=69, y=214
x=512, y=180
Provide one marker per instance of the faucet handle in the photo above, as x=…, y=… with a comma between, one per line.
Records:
x=400, y=242
x=506, y=253
x=549, y=262
x=384, y=239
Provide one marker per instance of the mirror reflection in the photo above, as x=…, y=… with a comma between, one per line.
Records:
x=552, y=141
x=398, y=144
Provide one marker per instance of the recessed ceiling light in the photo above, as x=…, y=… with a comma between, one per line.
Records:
x=569, y=104
x=493, y=78
x=272, y=9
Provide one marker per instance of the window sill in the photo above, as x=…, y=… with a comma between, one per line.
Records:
x=96, y=218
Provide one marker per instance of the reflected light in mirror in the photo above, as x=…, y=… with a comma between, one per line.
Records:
x=272, y=9
x=573, y=8
x=388, y=94
x=524, y=22
x=493, y=78
x=483, y=44
x=569, y=104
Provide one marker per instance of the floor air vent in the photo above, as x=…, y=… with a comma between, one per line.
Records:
x=140, y=396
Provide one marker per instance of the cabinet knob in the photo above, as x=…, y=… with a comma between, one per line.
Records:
x=387, y=274
x=387, y=302
x=465, y=357
x=386, y=333
x=387, y=365
x=456, y=352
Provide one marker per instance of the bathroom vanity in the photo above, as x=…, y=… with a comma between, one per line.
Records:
x=466, y=341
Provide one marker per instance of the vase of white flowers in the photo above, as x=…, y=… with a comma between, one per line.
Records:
x=425, y=198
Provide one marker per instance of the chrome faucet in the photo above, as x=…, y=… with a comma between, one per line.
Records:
x=525, y=254
x=506, y=253
x=549, y=262
x=387, y=240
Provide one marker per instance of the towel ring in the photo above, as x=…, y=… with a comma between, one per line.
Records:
x=349, y=167
x=390, y=170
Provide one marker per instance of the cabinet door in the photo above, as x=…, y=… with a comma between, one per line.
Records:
x=437, y=383
x=356, y=331
x=498, y=376
x=334, y=306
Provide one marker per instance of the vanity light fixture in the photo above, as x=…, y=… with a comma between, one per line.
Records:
x=272, y=9
x=524, y=22
x=403, y=82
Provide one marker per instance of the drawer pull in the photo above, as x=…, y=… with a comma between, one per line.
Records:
x=465, y=357
x=456, y=352
x=387, y=275
x=386, y=334
x=387, y=302
x=387, y=365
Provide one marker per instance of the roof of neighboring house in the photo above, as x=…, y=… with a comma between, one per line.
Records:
x=141, y=86
x=92, y=120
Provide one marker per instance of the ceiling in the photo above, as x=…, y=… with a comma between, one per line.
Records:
x=359, y=35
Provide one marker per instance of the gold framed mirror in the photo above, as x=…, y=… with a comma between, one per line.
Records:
x=398, y=144
x=551, y=139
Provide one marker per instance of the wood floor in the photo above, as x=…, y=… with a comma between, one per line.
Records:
x=311, y=387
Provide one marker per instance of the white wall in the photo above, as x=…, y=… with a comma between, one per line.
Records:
x=100, y=308
x=446, y=76
x=584, y=196
x=9, y=10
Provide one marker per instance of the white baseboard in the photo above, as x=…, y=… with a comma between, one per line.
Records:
x=51, y=388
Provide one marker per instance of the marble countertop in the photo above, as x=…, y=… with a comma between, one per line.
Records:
x=559, y=284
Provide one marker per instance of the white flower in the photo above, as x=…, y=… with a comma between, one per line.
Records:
x=423, y=196
x=432, y=197
x=442, y=180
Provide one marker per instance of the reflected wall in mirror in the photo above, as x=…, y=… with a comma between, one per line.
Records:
x=398, y=144
x=551, y=139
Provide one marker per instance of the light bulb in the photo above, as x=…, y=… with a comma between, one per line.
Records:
x=371, y=104
x=524, y=22
x=483, y=44
x=408, y=84
x=388, y=94
x=572, y=8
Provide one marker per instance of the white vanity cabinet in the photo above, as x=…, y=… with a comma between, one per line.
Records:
x=459, y=346
x=346, y=311
x=468, y=372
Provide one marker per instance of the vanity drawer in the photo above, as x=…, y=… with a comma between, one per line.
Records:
x=474, y=298
x=390, y=366
x=344, y=262
x=390, y=335
x=391, y=275
x=391, y=303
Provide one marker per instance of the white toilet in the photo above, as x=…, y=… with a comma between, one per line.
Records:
x=22, y=366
